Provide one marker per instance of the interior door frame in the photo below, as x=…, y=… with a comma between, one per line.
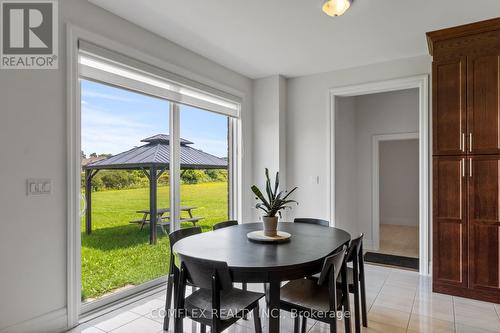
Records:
x=376, y=140
x=421, y=82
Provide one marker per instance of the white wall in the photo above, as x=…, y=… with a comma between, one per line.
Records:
x=384, y=113
x=308, y=117
x=269, y=114
x=346, y=160
x=399, y=182
x=33, y=144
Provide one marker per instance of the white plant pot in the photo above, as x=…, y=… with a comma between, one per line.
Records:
x=270, y=226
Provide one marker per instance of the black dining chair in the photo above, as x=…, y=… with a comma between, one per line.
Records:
x=174, y=237
x=224, y=224
x=356, y=281
x=216, y=304
x=320, y=222
x=319, y=300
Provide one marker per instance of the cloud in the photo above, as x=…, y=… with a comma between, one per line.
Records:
x=112, y=97
x=103, y=132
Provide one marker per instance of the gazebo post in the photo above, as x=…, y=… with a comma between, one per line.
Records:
x=88, y=201
x=152, y=203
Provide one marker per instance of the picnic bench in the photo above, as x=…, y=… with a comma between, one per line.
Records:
x=162, y=220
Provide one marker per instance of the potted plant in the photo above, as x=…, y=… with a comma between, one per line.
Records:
x=275, y=202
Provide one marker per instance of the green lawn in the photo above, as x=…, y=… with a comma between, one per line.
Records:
x=117, y=253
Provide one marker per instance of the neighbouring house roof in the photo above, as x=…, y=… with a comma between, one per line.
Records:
x=156, y=152
x=92, y=159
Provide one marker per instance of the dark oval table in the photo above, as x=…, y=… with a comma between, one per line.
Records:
x=250, y=261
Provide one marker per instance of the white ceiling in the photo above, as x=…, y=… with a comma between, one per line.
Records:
x=258, y=38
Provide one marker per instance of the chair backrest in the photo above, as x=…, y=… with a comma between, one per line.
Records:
x=323, y=223
x=177, y=235
x=224, y=224
x=332, y=266
x=355, y=248
x=203, y=272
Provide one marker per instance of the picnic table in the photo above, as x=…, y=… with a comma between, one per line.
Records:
x=162, y=220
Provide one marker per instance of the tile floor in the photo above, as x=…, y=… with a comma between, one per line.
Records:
x=398, y=301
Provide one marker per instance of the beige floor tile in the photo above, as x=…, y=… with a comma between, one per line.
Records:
x=115, y=321
x=424, y=324
x=148, y=307
x=83, y=329
x=388, y=316
x=437, y=309
x=320, y=327
x=476, y=314
x=375, y=327
x=142, y=325
x=460, y=328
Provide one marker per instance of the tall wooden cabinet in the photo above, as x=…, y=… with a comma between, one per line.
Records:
x=466, y=160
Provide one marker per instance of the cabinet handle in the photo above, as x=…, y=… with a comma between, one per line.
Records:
x=462, y=166
x=470, y=142
x=462, y=142
x=470, y=167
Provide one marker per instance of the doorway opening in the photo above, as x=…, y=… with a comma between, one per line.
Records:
x=365, y=118
x=395, y=200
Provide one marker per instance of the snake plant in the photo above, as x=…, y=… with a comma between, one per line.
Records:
x=276, y=200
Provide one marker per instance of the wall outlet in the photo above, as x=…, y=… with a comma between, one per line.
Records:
x=38, y=186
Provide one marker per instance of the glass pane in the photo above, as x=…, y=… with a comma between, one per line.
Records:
x=117, y=254
x=205, y=159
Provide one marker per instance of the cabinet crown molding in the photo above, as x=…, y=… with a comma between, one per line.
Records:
x=465, y=30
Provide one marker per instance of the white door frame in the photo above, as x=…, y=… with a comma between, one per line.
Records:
x=421, y=82
x=376, y=140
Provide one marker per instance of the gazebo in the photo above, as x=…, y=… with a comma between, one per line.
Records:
x=153, y=158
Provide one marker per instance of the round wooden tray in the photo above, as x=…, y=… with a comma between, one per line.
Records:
x=258, y=236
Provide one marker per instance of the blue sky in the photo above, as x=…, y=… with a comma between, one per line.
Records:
x=115, y=120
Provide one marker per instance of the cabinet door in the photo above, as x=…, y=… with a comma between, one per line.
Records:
x=484, y=223
x=449, y=108
x=449, y=221
x=483, y=103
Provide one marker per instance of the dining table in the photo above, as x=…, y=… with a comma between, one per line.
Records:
x=270, y=263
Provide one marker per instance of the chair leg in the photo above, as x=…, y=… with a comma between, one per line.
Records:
x=364, y=315
x=296, y=324
x=304, y=325
x=168, y=302
x=244, y=287
x=266, y=292
x=357, y=317
x=256, y=320
x=333, y=325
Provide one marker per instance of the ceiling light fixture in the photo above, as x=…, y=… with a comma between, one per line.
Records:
x=336, y=7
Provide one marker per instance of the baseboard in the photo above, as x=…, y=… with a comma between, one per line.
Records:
x=55, y=321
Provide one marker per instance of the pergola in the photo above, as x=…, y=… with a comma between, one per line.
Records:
x=153, y=159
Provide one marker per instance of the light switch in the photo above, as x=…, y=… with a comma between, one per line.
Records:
x=38, y=186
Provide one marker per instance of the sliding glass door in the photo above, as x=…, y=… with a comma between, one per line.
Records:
x=123, y=132
x=156, y=155
x=205, y=167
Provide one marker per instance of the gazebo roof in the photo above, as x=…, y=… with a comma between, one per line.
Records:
x=156, y=152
